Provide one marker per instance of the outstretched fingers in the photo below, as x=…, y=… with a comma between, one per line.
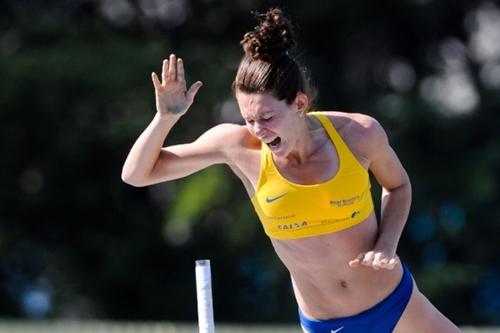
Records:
x=172, y=97
x=172, y=68
x=164, y=70
x=180, y=71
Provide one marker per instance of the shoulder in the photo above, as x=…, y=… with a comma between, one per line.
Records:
x=228, y=136
x=356, y=126
x=362, y=133
x=223, y=132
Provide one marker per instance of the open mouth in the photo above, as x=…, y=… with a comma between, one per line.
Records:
x=275, y=142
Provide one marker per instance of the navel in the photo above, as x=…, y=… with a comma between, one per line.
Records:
x=343, y=284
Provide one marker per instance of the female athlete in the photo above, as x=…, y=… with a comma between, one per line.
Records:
x=307, y=175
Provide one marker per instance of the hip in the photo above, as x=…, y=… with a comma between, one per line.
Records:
x=344, y=292
x=381, y=317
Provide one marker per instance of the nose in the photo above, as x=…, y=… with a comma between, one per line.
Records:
x=258, y=129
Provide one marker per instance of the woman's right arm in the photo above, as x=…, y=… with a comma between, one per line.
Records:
x=148, y=163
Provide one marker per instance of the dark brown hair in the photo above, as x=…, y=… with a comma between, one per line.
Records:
x=267, y=66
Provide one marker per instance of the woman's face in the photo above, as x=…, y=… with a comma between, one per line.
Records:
x=272, y=121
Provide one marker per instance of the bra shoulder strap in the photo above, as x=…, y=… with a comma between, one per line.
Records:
x=342, y=148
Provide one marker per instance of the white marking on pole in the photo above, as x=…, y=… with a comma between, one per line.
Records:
x=204, y=296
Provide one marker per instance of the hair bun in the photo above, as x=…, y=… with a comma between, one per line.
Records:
x=271, y=39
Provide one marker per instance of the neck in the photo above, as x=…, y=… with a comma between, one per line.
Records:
x=310, y=139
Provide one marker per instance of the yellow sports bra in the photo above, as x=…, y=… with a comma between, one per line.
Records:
x=290, y=210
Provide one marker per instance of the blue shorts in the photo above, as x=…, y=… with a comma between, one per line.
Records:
x=381, y=318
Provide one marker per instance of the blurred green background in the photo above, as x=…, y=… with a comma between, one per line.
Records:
x=75, y=92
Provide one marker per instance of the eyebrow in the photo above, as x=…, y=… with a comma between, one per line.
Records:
x=263, y=114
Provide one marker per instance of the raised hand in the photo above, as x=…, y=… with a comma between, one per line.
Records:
x=172, y=97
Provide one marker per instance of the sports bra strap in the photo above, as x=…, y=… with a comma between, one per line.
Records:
x=342, y=149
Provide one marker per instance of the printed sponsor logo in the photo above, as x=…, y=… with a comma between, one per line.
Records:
x=345, y=202
x=273, y=199
x=291, y=226
x=338, y=329
x=281, y=217
x=333, y=221
x=348, y=201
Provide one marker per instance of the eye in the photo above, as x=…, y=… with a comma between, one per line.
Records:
x=249, y=122
x=267, y=118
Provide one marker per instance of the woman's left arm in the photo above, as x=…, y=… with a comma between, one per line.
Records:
x=396, y=196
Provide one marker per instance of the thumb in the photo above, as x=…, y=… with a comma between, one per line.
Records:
x=193, y=90
x=356, y=262
x=156, y=81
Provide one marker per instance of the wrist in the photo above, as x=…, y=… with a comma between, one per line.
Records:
x=389, y=246
x=167, y=117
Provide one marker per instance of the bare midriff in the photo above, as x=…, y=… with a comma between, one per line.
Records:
x=325, y=286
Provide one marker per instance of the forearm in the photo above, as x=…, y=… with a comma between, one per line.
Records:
x=394, y=213
x=146, y=150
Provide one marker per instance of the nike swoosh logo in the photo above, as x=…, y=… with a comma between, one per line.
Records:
x=273, y=199
x=338, y=329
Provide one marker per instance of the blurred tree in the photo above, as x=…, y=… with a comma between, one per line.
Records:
x=75, y=93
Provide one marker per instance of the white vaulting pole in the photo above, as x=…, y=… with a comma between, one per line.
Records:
x=204, y=296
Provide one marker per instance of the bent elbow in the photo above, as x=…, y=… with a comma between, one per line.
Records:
x=131, y=180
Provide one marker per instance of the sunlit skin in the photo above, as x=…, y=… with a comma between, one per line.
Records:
x=334, y=275
x=268, y=118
